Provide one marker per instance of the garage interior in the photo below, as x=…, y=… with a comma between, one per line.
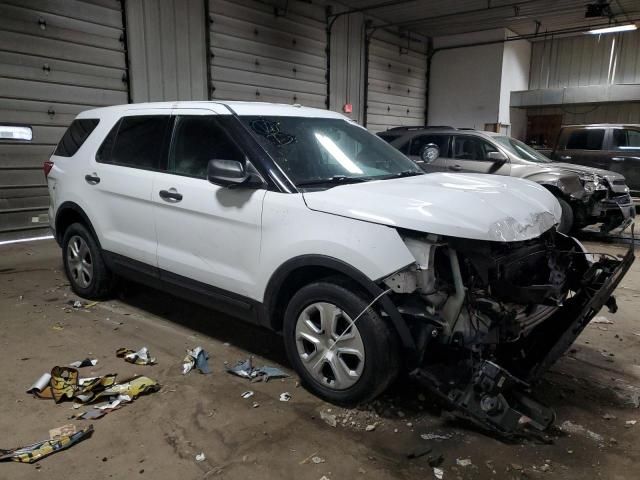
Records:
x=522, y=68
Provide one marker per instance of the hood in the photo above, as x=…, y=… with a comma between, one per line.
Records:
x=474, y=206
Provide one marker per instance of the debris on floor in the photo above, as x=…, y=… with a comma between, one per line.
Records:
x=285, y=397
x=245, y=369
x=40, y=384
x=201, y=457
x=247, y=394
x=630, y=423
x=329, y=419
x=438, y=473
x=197, y=358
x=141, y=357
x=37, y=451
x=601, y=319
x=574, y=428
x=317, y=460
x=463, y=462
x=87, y=362
x=371, y=427
x=435, y=436
x=63, y=431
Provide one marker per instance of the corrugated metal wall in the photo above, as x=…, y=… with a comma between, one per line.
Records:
x=347, y=65
x=167, y=49
x=586, y=60
x=604, y=113
x=57, y=58
x=258, y=55
x=397, y=82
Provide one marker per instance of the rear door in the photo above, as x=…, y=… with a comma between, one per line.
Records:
x=208, y=236
x=583, y=146
x=470, y=154
x=119, y=182
x=624, y=154
x=420, y=142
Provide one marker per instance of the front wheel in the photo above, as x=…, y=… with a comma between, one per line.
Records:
x=343, y=362
x=567, y=220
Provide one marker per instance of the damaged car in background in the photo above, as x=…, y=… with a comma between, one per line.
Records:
x=586, y=194
x=301, y=221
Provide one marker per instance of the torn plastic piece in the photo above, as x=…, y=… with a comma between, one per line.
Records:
x=201, y=457
x=245, y=369
x=141, y=357
x=41, y=385
x=285, y=397
x=197, y=358
x=64, y=383
x=438, y=473
x=37, y=451
x=132, y=388
x=63, y=431
x=101, y=409
x=247, y=394
x=87, y=362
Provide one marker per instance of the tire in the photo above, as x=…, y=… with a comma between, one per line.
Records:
x=83, y=263
x=371, y=373
x=566, y=221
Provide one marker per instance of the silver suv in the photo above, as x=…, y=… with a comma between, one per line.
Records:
x=587, y=195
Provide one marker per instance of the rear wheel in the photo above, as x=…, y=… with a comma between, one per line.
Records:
x=87, y=273
x=567, y=220
x=341, y=361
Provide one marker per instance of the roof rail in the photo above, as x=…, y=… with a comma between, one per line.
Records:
x=421, y=127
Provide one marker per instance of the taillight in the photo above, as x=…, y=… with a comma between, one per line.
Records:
x=48, y=165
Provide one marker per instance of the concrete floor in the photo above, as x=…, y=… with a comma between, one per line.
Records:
x=159, y=435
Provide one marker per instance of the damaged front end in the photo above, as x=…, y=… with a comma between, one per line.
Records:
x=489, y=318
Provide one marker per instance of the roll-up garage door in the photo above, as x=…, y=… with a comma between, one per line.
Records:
x=267, y=53
x=57, y=58
x=397, y=82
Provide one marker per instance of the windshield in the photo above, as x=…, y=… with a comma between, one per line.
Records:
x=522, y=150
x=327, y=150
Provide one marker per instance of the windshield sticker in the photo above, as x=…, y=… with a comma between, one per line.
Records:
x=271, y=131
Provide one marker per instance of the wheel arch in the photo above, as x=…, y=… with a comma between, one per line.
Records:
x=300, y=271
x=68, y=213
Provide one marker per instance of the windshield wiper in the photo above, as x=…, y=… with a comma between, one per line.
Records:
x=335, y=180
x=404, y=173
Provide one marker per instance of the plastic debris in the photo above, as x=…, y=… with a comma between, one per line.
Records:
x=37, y=451
x=63, y=431
x=247, y=394
x=75, y=303
x=245, y=369
x=255, y=405
x=630, y=423
x=285, y=397
x=371, y=427
x=317, y=460
x=435, y=436
x=201, y=457
x=601, y=319
x=329, y=419
x=87, y=362
x=569, y=427
x=197, y=358
x=141, y=357
x=40, y=384
x=463, y=462
x=438, y=473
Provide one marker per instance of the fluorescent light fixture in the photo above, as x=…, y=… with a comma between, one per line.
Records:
x=15, y=132
x=614, y=29
x=335, y=151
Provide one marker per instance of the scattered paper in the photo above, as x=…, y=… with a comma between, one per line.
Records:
x=37, y=451
x=141, y=357
x=87, y=362
x=197, y=358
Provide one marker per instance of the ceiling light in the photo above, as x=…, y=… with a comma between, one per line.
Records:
x=614, y=29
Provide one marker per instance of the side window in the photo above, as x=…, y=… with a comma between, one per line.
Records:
x=586, y=139
x=471, y=148
x=135, y=142
x=75, y=136
x=624, y=139
x=421, y=141
x=196, y=140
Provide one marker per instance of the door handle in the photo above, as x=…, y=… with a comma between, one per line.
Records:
x=170, y=195
x=92, y=179
x=565, y=157
x=455, y=168
x=617, y=159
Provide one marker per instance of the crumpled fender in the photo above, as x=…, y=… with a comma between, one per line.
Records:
x=568, y=183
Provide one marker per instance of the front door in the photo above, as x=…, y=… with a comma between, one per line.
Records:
x=624, y=156
x=584, y=146
x=207, y=234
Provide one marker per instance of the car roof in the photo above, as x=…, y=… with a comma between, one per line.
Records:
x=595, y=125
x=402, y=131
x=239, y=107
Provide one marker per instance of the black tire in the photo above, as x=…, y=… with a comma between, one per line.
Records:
x=381, y=362
x=101, y=283
x=566, y=221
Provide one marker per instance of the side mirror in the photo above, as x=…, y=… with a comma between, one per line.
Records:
x=233, y=173
x=429, y=152
x=498, y=158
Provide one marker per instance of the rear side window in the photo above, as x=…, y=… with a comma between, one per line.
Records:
x=588, y=139
x=135, y=141
x=75, y=136
x=421, y=141
x=624, y=139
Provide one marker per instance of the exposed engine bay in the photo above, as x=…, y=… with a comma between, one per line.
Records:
x=489, y=318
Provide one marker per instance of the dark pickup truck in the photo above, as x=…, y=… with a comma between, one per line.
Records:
x=614, y=147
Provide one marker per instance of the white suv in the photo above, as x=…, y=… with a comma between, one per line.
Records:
x=302, y=221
